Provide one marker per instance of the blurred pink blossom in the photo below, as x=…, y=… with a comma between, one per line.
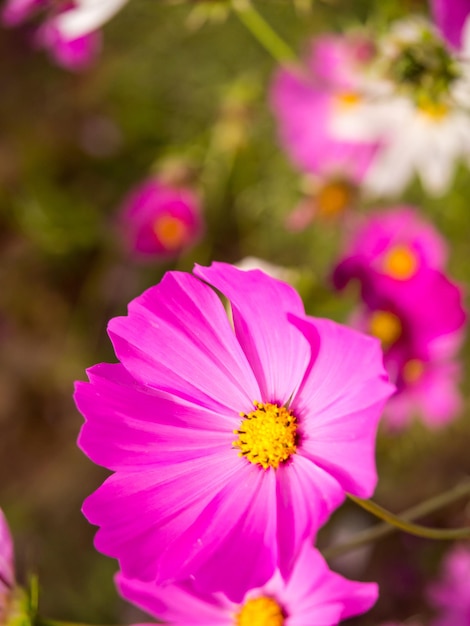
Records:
x=160, y=221
x=7, y=574
x=450, y=595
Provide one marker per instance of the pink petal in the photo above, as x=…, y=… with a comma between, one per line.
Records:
x=168, y=343
x=306, y=495
x=340, y=402
x=277, y=352
x=128, y=425
x=174, y=603
x=169, y=500
x=7, y=573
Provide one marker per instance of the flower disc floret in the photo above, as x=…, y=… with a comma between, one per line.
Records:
x=262, y=611
x=400, y=262
x=267, y=435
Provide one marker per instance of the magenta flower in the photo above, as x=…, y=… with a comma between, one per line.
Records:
x=160, y=221
x=226, y=441
x=7, y=573
x=451, y=594
x=398, y=260
x=450, y=17
x=72, y=54
x=312, y=594
x=306, y=102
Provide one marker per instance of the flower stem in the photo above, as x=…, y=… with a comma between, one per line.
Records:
x=263, y=32
x=402, y=522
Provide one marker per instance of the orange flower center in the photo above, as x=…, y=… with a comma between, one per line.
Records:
x=334, y=197
x=413, y=371
x=385, y=326
x=267, y=436
x=348, y=99
x=170, y=231
x=263, y=611
x=400, y=262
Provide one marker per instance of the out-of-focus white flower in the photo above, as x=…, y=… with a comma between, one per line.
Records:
x=86, y=16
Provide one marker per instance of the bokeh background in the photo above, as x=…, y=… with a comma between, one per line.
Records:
x=168, y=85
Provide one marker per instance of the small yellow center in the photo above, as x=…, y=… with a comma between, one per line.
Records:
x=412, y=371
x=348, y=99
x=400, y=262
x=434, y=110
x=333, y=198
x=261, y=611
x=170, y=231
x=385, y=326
x=267, y=436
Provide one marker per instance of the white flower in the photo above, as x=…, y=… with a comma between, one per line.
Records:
x=86, y=16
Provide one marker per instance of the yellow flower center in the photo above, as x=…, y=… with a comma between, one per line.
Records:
x=333, y=198
x=385, y=326
x=412, y=371
x=434, y=110
x=400, y=262
x=261, y=611
x=170, y=231
x=267, y=436
x=348, y=99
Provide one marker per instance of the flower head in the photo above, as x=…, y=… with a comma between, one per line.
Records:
x=308, y=101
x=159, y=220
x=312, y=594
x=226, y=441
x=412, y=307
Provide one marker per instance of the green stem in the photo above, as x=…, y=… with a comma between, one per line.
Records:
x=383, y=529
x=403, y=522
x=263, y=32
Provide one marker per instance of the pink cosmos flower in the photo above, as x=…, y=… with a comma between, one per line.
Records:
x=411, y=305
x=312, y=594
x=7, y=574
x=306, y=102
x=226, y=441
x=72, y=54
x=450, y=17
x=160, y=221
x=451, y=594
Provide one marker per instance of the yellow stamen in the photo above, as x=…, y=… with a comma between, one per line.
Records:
x=412, y=371
x=333, y=198
x=170, y=231
x=267, y=436
x=435, y=111
x=400, y=262
x=348, y=99
x=261, y=611
x=385, y=326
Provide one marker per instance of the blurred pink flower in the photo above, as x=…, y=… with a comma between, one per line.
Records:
x=411, y=305
x=14, y=12
x=226, y=440
x=312, y=594
x=451, y=594
x=75, y=52
x=450, y=17
x=7, y=574
x=306, y=101
x=160, y=221
x=72, y=54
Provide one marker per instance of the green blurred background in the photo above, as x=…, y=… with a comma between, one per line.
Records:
x=71, y=146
